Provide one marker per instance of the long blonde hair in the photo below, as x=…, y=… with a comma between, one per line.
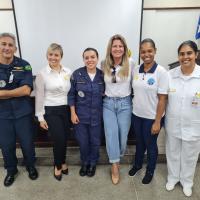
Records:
x=108, y=63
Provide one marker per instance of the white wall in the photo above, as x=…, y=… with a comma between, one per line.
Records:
x=76, y=25
x=5, y=4
x=171, y=3
x=168, y=28
x=9, y=26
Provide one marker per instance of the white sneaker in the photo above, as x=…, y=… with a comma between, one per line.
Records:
x=187, y=191
x=169, y=186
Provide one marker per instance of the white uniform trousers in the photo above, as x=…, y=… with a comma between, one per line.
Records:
x=182, y=157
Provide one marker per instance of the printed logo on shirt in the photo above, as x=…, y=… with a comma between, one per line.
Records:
x=151, y=81
x=81, y=93
x=2, y=83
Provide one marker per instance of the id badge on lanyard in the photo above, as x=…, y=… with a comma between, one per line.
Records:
x=11, y=77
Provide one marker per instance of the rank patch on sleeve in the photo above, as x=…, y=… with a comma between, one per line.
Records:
x=28, y=68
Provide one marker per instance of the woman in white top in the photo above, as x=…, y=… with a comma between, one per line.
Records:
x=117, y=103
x=52, y=86
x=183, y=119
x=150, y=84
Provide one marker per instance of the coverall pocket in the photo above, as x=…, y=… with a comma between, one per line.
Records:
x=18, y=75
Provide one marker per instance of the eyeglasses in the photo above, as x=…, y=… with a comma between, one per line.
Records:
x=113, y=74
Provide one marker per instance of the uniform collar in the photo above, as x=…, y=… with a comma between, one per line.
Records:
x=11, y=65
x=195, y=74
x=152, y=70
x=49, y=69
x=85, y=74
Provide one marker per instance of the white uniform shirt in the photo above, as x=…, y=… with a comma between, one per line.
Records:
x=183, y=109
x=51, y=89
x=121, y=88
x=146, y=87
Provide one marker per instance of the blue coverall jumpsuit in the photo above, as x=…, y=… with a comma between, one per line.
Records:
x=86, y=96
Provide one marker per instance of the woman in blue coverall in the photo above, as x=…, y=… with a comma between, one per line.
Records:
x=85, y=100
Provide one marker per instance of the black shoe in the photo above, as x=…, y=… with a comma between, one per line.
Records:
x=147, y=178
x=83, y=170
x=32, y=173
x=65, y=171
x=9, y=179
x=91, y=171
x=133, y=171
x=57, y=177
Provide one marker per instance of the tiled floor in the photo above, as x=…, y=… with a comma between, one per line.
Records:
x=74, y=187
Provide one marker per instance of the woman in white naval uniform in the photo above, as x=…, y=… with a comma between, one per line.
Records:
x=183, y=119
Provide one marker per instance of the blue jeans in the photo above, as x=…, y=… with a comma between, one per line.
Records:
x=145, y=141
x=117, y=120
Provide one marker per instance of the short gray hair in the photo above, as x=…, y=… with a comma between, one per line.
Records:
x=10, y=35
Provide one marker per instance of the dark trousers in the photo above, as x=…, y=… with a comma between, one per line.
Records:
x=89, y=139
x=57, y=118
x=23, y=129
x=145, y=141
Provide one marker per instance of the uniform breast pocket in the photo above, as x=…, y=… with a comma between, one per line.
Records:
x=81, y=85
x=3, y=80
x=98, y=88
x=3, y=76
x=18, y=75
x=81, y=88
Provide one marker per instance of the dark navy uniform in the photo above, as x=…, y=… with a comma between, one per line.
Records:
x=16, y=115
x=86, y=95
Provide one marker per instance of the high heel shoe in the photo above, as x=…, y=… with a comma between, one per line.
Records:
x=57, y=177
x=115, y=174
x=65, y=171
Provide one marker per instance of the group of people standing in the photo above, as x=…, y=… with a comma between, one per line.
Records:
x=94, y=95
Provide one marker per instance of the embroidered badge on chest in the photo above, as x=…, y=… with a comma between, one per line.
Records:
x=136, y=77
x=2, y=83
x=151, y=81
x=81, y=93
x=66, y=77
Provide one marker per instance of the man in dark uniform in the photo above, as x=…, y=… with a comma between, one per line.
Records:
x=15, y=109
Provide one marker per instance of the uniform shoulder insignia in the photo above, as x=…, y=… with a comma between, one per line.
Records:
x=27, y=68
x=18, y=68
